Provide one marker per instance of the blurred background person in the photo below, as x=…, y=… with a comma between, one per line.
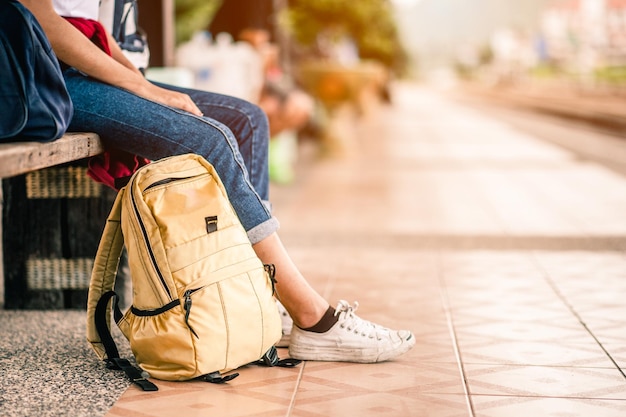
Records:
x=288, y=108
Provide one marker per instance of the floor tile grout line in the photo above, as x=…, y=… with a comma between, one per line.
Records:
x=292, y=402
x=555, y=397
x=457, y=350
x=571, y=308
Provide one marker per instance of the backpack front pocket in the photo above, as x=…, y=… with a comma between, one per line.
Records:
x=229, y=326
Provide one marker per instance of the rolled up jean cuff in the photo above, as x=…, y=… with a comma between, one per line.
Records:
x=263, y=230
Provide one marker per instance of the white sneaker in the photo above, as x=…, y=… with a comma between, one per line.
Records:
x=287, y=324
x=351, y=339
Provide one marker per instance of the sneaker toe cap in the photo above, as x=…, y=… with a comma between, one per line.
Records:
x=405, y=335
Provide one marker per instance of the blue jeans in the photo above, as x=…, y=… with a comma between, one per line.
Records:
x=233, y=136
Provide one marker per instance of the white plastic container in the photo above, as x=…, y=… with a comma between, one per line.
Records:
x=222, y=66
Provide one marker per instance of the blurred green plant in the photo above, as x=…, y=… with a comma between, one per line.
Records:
x=611, y=75
x=192, y=16
x=369, y=23
x=546, y=71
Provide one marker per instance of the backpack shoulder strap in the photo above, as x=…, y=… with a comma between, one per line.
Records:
x=104, y=272
x=101, y=293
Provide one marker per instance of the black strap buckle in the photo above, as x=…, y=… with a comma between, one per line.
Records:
x=217, y=378
x=136, y=375
x=271, y=359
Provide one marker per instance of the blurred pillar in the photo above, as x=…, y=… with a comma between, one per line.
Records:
x=282, y=39
x=156, y=18
x=233, y=16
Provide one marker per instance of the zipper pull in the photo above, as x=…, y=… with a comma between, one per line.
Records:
x=187, y=307
x=271, y=272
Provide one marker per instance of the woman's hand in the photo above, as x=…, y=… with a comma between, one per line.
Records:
x=168, y=97
x=149, y=90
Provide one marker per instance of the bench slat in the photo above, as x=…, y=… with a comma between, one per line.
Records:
x=21, y=157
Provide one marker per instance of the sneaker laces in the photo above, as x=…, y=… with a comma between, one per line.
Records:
x=353, y=323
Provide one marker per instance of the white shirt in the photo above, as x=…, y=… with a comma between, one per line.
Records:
x=87, y=9
x=103, y=11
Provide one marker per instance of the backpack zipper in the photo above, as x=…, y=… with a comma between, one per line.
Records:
x=187, y=308
x=149, y=247
x=167, y=181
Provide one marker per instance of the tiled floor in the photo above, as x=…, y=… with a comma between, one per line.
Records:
x=505, y=255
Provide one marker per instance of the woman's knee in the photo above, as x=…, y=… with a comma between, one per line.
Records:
x=254, y=115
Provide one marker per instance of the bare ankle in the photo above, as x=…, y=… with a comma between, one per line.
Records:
x=308, y=318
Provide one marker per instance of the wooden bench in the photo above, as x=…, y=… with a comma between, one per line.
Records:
x=23, y=157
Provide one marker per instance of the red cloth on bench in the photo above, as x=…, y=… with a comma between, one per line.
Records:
x=93, y=30
x=114, y=166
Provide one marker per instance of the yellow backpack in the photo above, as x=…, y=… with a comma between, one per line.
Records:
x=202, y=300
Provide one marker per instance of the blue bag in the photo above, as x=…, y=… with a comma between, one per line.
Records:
x=34, y=103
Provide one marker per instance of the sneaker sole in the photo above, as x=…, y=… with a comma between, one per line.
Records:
x=311, y=353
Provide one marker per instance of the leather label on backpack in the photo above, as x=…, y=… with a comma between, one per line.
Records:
x=211, y=224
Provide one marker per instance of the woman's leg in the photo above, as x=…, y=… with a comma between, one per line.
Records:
x=305, y=305
x=249, y=126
